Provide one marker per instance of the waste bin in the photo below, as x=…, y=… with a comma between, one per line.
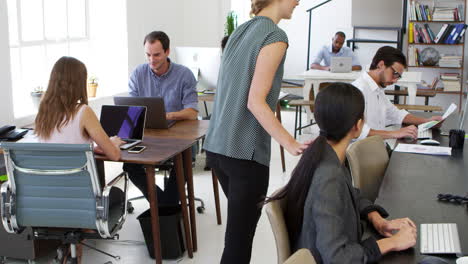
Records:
x=170, y=221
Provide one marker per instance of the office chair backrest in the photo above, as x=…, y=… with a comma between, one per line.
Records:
x=53, y=185
x=275, y=214
x=302, y=256
x=368, y=159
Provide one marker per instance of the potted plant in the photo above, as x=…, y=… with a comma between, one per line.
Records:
x=36, y=95
x=92, y=86
x=231, y=23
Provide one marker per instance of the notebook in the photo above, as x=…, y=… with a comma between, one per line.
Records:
x=127, y=122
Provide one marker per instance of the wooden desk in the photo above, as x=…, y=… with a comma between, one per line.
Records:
x=410, y=188
x=313, y=78
x=191, y=130
x=157, y=152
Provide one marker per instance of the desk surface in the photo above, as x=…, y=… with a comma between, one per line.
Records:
x=410, y=188
x=407, y=77
x=187, y=129
x=157, y=151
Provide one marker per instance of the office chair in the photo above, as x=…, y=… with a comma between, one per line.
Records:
x=368, y=159
x=54, y=188
x=302, y=256
x=275, y=211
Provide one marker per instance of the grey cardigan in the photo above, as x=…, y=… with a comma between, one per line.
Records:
x=333, y=209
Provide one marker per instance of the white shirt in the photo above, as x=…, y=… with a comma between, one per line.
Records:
x=379, y=111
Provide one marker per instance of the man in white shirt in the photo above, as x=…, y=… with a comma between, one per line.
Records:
x=387, y=67
x=336, y=49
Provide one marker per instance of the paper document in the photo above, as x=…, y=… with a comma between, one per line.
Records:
x=282, y=95
x=447, y=113
x=420, y=149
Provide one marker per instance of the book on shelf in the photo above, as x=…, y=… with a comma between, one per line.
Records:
x=450, y=61
x=447, y=14
x=448, y=34
x=451, y=81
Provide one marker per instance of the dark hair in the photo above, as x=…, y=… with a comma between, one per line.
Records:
x=224, y=42
x=389, y=55
x=338, y=108
x=341, y=34
x=158, y=35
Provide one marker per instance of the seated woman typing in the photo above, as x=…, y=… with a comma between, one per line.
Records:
x=64, y=115
x=323, y=209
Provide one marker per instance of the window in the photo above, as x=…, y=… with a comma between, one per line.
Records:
x=242, y=9
x=40, y=32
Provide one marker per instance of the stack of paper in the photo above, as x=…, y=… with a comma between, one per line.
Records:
x=420, y=149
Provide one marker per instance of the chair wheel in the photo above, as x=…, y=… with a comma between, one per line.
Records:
x=200, y=209
x=130, y=209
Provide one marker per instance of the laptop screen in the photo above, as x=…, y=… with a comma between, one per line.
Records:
x=127, y=122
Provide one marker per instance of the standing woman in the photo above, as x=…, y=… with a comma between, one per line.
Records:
x=242, y=124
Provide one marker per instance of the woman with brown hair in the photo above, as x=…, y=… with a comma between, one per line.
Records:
x=64, y=115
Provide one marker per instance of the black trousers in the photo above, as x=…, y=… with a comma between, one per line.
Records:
x=137, y=174
x=245, y=184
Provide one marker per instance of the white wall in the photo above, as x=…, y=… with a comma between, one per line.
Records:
x=6, y=105
x=186, y=22
x=326, y=20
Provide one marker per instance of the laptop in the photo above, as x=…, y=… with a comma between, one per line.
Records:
x=341, y=64
x=156, y=110
x=127, y=122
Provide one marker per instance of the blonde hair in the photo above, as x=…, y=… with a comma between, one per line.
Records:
x=258, y=5
x=65, y=92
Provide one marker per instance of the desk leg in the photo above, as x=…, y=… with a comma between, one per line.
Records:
x=300, y=120
x=178, y=166
x=278, y=115
x=188, y=172
x=206, y=108
x=153, y=200
x=216, y=196
x=295, y=122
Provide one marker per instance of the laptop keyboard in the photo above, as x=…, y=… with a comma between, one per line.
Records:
x=439, y=239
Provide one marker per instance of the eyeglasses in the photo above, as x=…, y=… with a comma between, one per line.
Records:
x=396, y=74
x=452, y=198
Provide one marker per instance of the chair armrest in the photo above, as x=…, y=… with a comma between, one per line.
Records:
x=301, y=256
x=103, y=206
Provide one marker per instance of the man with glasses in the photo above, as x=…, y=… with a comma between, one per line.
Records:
x=386, y=68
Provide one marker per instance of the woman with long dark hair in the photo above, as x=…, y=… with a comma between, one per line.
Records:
x=323, y=209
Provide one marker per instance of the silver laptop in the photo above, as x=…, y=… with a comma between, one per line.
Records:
x=341, y=64
x=156, y=117
x=127, y=122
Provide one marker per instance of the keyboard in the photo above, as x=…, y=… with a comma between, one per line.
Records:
x=129, y=143
x=440, y=239
x=424, y=133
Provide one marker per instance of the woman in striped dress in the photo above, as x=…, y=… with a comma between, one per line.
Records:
x=243, y=122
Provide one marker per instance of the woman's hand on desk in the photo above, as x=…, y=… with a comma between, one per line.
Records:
x=389, y=227
x=117, y=141
x=404, y=239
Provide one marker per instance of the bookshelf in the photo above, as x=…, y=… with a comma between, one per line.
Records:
x=438, y=25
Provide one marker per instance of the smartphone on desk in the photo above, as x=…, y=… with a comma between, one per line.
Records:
x=136, y=149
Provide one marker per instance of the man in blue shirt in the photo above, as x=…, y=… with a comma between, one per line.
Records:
x=336, y=49
x=175, y=83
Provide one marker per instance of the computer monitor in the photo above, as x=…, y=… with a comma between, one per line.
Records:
x=204, y=62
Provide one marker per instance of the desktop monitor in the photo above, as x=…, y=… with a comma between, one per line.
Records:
x=204, y=63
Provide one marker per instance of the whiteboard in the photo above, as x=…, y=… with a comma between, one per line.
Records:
x=377, y=13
